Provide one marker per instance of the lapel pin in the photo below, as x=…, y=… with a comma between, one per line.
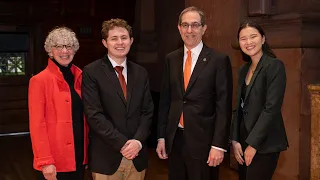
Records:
x=204, y=59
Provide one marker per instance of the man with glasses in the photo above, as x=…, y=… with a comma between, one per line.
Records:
x=195, y=104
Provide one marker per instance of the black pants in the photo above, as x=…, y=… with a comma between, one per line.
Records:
x=183, y=167
x=75, y=175
x=262, y=167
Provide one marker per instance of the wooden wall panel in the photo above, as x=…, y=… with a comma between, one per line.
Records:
x=38, y=17
x=13, y=104
x=17, y=116
x=14, y=8
x=13, y=93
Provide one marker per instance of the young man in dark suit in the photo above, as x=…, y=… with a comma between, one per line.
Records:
x=195, y=104
x=118, y=107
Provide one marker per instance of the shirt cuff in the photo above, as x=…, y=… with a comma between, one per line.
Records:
x=160, y=139
x=139, y=143
x=220, y=149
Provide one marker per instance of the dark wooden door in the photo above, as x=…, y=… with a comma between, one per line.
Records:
x=16, y=68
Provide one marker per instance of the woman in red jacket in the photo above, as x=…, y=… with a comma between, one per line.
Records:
x=57, y=126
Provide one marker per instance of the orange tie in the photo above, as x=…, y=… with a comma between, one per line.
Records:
x=122, y=80
x=186, y=78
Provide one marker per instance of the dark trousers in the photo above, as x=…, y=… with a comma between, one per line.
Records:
x=183, y=167
x=262, y=167
x=75, y=175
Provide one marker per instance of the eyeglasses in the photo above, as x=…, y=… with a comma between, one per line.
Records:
x=194, y=25
x=60, y=47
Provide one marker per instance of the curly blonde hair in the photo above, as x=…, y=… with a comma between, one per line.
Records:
x=62, y=36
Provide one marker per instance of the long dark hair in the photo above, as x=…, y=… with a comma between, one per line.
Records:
x=265, y=47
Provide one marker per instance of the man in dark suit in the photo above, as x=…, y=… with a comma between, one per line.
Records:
x=118, y=107
x=195, y=104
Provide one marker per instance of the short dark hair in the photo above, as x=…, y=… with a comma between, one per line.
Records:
x=193, y=9
x=111, y=24
x=265, y=47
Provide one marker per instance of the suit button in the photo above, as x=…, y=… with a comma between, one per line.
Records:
x=184, y=102
x=245, y=112
x=66, y=100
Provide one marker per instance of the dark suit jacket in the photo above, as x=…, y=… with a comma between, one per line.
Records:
x=112, y=119
x=206, y=103
x=262, y=106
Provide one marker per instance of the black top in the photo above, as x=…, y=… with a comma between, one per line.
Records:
x=77, y=114
x=243, y=134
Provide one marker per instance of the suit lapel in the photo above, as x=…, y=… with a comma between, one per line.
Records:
x=179, y=66
x=201, y=63
x=130, y=82
x=111, y=74
x=257, y=71
x=242, y=77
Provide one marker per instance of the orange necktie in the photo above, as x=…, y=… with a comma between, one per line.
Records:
x=186, y=78
x=122, y=80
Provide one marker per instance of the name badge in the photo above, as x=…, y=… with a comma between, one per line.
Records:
x=242, y=103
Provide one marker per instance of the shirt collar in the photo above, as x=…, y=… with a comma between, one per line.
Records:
x=114, y=63
x=196, y=50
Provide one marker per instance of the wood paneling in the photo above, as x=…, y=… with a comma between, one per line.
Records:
x=293, y=32
x=37, y=18
x=18, y=116
x=14, y=8
x=13, y=93
x=14, y=104
x=260, y=7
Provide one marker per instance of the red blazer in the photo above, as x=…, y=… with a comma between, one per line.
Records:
x=50, y=117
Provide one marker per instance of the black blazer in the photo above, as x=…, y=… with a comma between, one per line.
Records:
x=206, y=103
x=112, y=119
x=262, y=106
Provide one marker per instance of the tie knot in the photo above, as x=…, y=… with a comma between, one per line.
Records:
x=119, y=69
x=189, y=53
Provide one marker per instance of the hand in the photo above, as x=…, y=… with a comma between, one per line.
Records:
x=161, y=149
x=249, y=154
x=131, y=149
x=215, y=157
x=237, y=149
x=49, y=172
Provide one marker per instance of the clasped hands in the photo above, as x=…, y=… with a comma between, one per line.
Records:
x=131, y=149
x=249, y=153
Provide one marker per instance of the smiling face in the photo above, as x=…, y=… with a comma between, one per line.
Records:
x=61, y=44
x=62, y=53
x=190, y=34
x=251, y=41
x=118, y=43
